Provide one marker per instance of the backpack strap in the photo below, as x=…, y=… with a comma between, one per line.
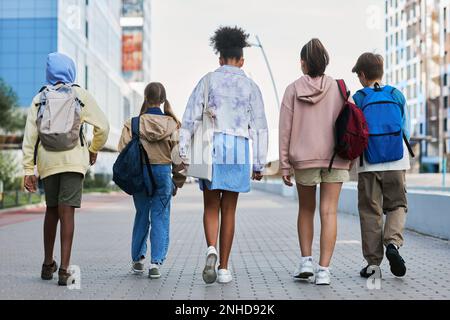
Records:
x=408, y=145
x=345, y=93
x=330, y=166
x=37, y=105
x=135, y=135
x=82, y=105
x=36, y=146
x=135, y=127
x=392, y=90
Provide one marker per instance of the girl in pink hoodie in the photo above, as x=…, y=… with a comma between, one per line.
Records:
x=309, y=110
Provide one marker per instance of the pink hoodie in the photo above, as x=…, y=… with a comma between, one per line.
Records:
x=308, y=113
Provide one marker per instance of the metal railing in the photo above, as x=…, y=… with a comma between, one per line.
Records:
x=11, y=199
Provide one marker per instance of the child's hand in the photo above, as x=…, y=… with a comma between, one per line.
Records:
x=30, y=183
x=257, y=176
x=287, y=181
x=92, y=158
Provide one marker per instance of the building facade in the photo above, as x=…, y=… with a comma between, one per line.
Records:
x=136, y=40
x=417, y=63
x=90, y=33
x=87, y=31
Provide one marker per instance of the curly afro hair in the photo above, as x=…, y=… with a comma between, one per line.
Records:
x=229, y=42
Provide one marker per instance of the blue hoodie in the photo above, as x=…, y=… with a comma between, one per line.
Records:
x=60, y=68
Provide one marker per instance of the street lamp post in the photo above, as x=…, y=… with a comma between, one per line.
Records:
x=259, y=45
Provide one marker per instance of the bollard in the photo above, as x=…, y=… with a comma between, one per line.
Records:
x=1, y=195
x=444, y=171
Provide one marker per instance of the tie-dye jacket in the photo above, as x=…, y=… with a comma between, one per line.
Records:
x=237, y=105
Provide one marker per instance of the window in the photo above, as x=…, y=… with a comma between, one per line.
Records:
x=445, y=125
x=444, y=80
x=86, y=29
x=446, y=102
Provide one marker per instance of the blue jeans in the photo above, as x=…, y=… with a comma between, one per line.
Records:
x=153, y=213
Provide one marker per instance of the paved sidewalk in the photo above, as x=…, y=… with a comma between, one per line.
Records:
x=264, y=255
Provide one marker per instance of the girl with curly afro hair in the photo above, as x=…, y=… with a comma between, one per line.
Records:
x=237, y=109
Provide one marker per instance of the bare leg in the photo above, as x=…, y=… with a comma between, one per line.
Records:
x=66, y=216
x=228, y=214
x=305, y=222
x=329, y=198
x=211, y=201
x=50, y=227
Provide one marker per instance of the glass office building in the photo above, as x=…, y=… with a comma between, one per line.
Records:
x=88, y=31
x=28, y=32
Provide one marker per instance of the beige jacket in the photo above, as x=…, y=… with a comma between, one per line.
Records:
x=159, y=137
x=74, y=160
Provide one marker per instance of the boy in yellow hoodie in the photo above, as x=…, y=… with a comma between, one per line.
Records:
x=62, y=172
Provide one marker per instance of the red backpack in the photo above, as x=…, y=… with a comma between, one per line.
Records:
x=351, y=130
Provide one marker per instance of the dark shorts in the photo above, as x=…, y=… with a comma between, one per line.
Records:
x=64, y=189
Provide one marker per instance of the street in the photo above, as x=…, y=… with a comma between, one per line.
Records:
x=264, y=256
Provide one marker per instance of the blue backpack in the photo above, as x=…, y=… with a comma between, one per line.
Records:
x=130, y=173
x=384, y=117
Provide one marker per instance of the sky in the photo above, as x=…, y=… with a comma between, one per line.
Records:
x=181, y=53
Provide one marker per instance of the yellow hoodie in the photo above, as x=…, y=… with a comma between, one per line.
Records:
x=75, y=160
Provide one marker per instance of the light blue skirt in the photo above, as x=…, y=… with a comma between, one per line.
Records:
x=231, y=164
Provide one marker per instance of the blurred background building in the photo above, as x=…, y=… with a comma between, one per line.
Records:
x=417, y=62
x=111, y=53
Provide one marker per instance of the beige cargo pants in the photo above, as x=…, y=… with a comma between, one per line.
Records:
x=378, y=193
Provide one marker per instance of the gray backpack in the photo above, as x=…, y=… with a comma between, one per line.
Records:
x=59, y=118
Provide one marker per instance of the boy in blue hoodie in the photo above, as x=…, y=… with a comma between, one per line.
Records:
x=381, y=174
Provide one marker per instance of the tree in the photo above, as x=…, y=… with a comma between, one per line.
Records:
x=8, y=170
x=11, y=118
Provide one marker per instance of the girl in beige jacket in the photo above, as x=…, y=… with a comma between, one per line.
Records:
x=159, y=137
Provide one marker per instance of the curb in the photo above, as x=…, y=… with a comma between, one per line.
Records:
x=21, y=208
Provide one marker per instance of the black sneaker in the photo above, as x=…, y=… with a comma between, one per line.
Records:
x=365, y=274
x=48, y=270
x=65, y=278
x=396, y=261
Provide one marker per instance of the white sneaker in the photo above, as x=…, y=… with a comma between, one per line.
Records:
x=305, y=269
x=224, y=276
x=209, y=272
x=323, y=277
